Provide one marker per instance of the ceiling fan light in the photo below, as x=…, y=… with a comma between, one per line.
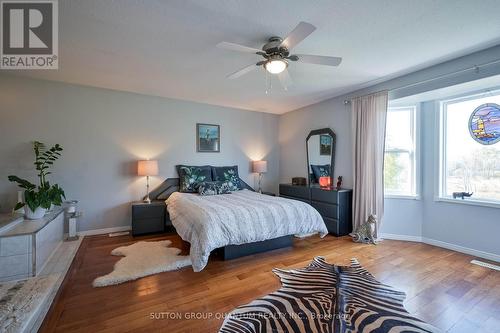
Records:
x=276, y=66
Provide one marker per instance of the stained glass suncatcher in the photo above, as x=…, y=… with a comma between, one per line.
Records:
x=484, y=124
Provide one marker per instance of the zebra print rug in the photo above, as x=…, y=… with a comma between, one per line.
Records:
x=326, y=298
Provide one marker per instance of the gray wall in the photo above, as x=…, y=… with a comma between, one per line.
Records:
x=296, y=125
x=451, y=223
x=104, y=133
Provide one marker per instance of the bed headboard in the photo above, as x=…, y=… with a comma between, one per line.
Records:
x=171, y=185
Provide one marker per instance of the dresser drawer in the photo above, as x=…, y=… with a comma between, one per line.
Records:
x=10, y=246
x=327, y=196
x=15, y=265
x=293, y=198
x=294, y=191
x=332, y=225
x=326, y=210
x=147, y=212
x=146, y=226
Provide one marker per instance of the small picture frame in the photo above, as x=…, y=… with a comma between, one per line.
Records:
x=207, y=138
x=325, y=144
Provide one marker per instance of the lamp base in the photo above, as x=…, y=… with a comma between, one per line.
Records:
x=147, y=199
x=260, y=181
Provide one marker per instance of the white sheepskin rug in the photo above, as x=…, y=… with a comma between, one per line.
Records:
x=143, y=259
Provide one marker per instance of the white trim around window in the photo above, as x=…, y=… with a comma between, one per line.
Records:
x=441, y=160
x=414, y=153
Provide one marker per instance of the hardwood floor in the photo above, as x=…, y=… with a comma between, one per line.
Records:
x=442, y=286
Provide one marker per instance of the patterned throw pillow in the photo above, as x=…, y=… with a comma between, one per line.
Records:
x=228, y=174
x=320, y=171
x=191, y=176
x=213, y=188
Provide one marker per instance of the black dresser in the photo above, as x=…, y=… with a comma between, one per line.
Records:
x=335, y=206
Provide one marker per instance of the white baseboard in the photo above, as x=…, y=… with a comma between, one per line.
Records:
x=449, y=246
x=103, y=231
x=402, y=237
x=462, y=249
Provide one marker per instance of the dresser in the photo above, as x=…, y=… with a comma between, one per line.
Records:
x=27, y=245
x=335, y=206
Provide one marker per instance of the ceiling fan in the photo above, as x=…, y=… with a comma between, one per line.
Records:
x=276, y=53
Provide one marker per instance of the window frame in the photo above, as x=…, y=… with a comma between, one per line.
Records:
x=440, y=167
x=416, y=172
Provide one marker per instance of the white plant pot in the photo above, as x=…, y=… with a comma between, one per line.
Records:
x=34, y=215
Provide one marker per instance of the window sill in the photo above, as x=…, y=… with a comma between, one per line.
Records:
x=470, y=202
x=404, y=197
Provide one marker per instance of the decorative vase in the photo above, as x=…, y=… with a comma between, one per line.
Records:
x=20, y=198
x=34, y=215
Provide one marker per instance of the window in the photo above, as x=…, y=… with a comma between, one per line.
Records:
x=470, y=151
x=400, y=160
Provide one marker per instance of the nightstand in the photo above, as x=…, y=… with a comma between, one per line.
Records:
x=148, y=217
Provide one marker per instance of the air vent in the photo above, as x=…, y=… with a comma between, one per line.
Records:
x=116, y=234
x=485, y=264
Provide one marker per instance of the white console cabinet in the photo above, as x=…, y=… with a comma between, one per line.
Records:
x=26, y=245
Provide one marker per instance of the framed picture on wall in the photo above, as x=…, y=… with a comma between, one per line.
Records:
x=207, y=138
x=325, y=144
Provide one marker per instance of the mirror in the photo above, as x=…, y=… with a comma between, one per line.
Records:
x=320, y=145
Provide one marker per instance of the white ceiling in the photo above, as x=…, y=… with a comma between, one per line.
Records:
x=167, y=48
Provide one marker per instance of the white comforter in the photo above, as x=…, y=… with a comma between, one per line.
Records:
x=210, y=222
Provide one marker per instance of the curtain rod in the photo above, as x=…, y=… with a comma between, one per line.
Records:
x=476, y=68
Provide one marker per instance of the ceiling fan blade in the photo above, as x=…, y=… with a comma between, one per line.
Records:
x=285, y=79
x=237, y=47
x=297, y=35
x=243, y=71
x=319, y=60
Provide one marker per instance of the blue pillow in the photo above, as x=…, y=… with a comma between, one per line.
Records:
x=320, y=171
x=191, y=176
x=227, y=174
x=213, y=188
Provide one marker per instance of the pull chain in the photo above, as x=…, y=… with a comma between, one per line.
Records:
x=269, y=85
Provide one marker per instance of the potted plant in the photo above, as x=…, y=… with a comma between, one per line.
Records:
x=56, y=195
x=39, y=198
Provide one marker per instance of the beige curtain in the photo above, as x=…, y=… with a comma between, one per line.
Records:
x=368, y=125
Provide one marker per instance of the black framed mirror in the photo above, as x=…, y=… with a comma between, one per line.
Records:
x=320, y=149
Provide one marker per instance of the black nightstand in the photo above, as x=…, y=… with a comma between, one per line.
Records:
x=148, y=217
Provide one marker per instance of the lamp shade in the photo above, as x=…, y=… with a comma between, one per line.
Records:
x=147, y=168
x=259, y=166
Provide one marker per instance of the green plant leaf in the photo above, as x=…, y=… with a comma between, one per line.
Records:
x=44, y=195
x=19, y=205
x=23, y=183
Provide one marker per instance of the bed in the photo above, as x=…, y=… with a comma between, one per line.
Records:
x=240, y=223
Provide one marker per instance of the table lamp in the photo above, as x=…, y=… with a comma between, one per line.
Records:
x=325, y=181
x=259, y=167
x=147, y=168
